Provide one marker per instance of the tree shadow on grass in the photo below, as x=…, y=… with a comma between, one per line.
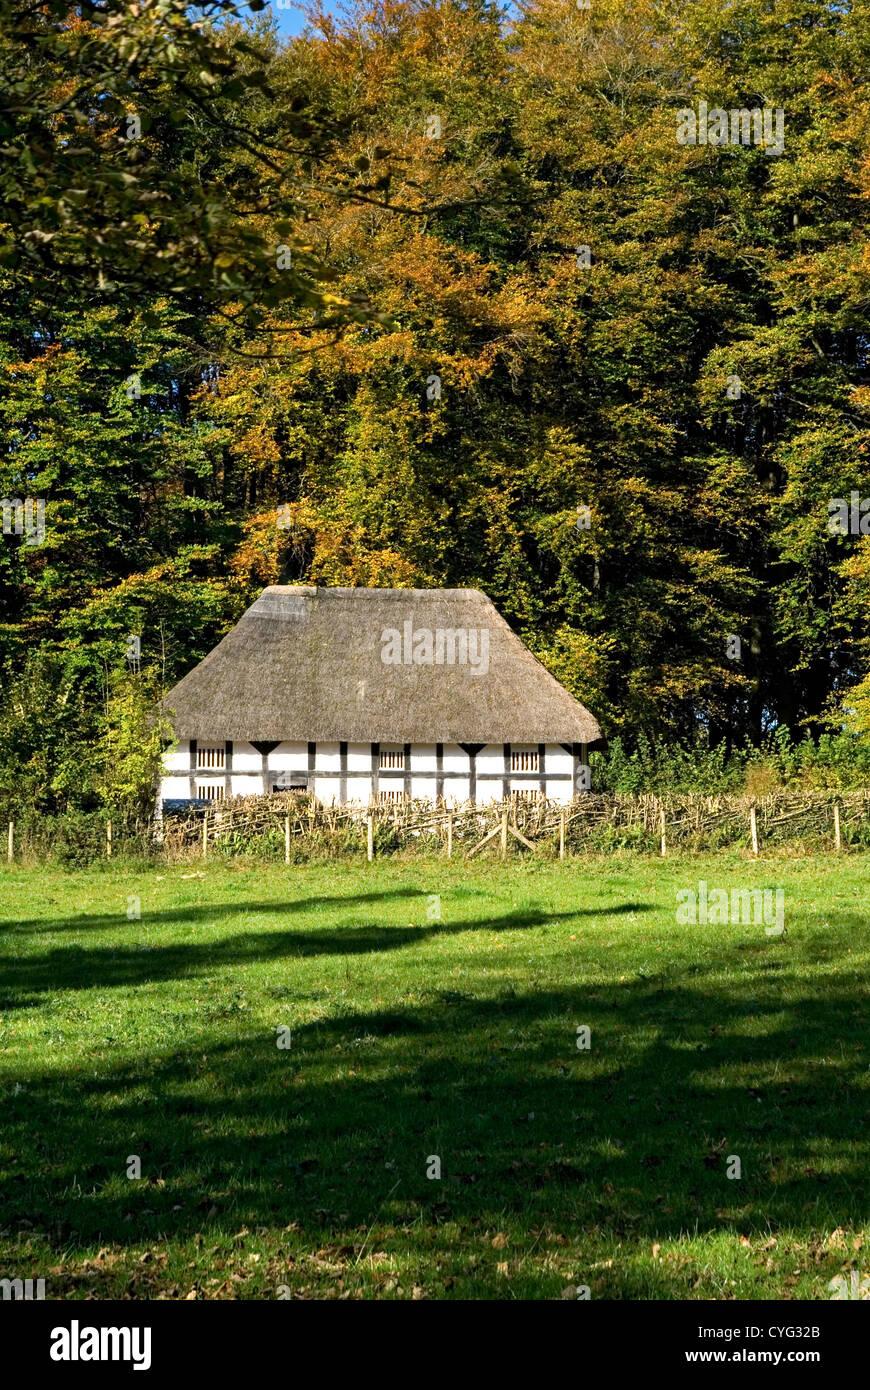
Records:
x=213, y=912
x=630, y=1138
x=74, y=967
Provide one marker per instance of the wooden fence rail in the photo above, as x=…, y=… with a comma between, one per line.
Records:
x=668, y=823
x=599, y=823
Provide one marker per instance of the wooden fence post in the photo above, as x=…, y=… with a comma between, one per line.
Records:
x=662, y=826
x=108, y=839
x=504, y=818
x=838, y=843
x=753, y=827
x=205, y=835
x=10, y=849
x=370, y=837
x=449, y=834
x=286, y=839
x=562, y=818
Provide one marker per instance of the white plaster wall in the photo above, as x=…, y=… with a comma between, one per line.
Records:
x=246, y=786
x=288, y=757
x=172, y=788
x=490, y=761
x=423, y=757
x=359, y=758
x=558, y=760
x=327, y=758
x=177, y=759
x=246, y=759
x=559, y=791
x=455, y=758
x=326, y=790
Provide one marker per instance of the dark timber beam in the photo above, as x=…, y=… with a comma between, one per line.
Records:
x=472, y=750
x=264, y=749
x=376, y=771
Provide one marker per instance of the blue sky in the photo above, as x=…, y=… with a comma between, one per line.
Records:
x=289, y=16
x=291, y=20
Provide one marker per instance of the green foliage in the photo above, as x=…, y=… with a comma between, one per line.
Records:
x=48, y=762
x=833, y=761
x=139, y=150
x=165, y=387
x=76, y=740
x=135, y=735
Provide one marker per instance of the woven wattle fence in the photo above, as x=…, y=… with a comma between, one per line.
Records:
x=296, y=824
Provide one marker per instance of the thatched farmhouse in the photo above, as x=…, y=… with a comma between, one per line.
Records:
x=374, y=694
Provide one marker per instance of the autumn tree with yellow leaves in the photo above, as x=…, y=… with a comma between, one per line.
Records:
x=547, y=349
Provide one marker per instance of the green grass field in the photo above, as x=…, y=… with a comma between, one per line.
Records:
x=304, y=1168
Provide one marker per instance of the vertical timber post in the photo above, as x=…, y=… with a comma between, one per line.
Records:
x=449, y=834
x=504, y=821
x=370, y=837
x=662, y=827
x=10, y=851
x=838, y=842
x=562, y=818
x=108, y=839
x=286, y=839
x=753, y=828
x=205, y=835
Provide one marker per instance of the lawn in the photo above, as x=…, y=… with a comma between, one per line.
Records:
x=432, y=1010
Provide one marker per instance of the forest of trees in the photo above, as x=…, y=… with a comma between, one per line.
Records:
x=432, y=295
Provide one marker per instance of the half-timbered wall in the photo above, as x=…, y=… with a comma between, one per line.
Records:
x=210, y=768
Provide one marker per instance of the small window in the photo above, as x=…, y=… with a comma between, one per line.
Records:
x=212, y=758
x=210, y=791
x=524, y=760
x=391, y=798
x=392, y=760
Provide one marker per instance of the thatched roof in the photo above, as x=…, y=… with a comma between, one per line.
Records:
x=306, y=664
